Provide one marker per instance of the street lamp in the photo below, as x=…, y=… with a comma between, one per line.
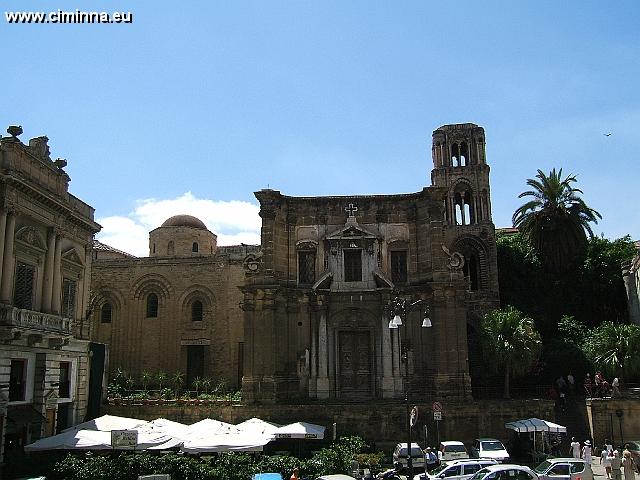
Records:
x=399, y=308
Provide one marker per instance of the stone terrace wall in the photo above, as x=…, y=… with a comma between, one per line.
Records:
x=380, y=422
x=605, y=420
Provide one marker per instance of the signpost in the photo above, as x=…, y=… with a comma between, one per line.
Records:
x=437, y=417
x=124, y=439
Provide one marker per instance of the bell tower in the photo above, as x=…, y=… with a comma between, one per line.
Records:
x=459, y=166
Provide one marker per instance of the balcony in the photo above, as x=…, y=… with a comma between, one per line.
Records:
x=34, y=322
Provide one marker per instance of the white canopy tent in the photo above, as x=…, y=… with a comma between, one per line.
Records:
x=301, y=430
x=99, y=440
x=106, y=423
x=535, y=425
x=259, y=426
x=226, y=442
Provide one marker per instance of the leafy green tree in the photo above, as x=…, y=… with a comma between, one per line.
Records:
x=556, y=220
x=146, y=378
x=614, y=348
x=161, y=377
x=510, y=342
x=178, y=381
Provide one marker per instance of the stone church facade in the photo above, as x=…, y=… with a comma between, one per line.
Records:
x=317, y=295
x=45, y=270
x=175, y=311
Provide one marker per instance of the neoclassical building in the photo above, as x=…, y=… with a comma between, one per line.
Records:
x=175, y=311
x=317, y=297
x=45, y=271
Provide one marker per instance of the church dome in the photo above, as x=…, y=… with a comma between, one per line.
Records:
x=184, y=221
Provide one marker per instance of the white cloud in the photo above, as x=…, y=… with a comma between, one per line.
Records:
x=233, y=222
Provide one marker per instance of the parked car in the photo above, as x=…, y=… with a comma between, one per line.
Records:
x=458, y=469
x=266, y=476
x=489, y=448
x=505, y=471
x=564, y=469
x=400, y=455
x=452, y=450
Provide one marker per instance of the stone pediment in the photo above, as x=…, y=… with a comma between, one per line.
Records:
x=351, y=230
x=30, y=236
x=72, y=256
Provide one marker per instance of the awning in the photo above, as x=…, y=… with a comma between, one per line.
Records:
x=535, y=425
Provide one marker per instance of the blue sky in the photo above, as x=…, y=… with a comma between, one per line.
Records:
x=195, y=106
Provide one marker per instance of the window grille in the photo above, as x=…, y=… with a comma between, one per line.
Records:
x=306, y=267
x=352, y=265
x=196, y=311
x=399, y=266
x=105, y=313
x=68, y=298
x=152, y=305
x=23, y=294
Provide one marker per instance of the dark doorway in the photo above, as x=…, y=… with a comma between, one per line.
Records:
x=195, y=363
x=97, y=352
x=354, y=365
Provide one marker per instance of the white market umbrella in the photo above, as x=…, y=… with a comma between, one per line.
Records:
x=209, y=426
x=229, y=442
x=106, y=423
x=256, y=425
x=301, y=430
x=99, y=440
x=163, y=426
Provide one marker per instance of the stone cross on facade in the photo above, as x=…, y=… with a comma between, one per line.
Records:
x=351, y=209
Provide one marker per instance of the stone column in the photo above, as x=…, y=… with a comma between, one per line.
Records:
x=8, y=259
x=323, y=357
x=3, y=228
x=387, y=361
x=56, y=292
x=47, y=284
x=313, y=374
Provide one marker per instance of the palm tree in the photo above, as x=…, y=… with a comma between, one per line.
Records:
x=510, y=342
x=556, y=221
x=614, y=348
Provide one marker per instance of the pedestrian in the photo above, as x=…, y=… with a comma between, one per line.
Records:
x=586, y=452
x=616, y=465
x=575, y=448
x=572, y=384
x=588, y=386
x=606, y=461
x=294, y=475
x=608, y=445
x=430, y=459
x=615, y=387
x=629, y=466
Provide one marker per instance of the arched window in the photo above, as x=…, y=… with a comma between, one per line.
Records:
x=194, y=247
x=196, y=311
x=152, y=305
x=105, y=313
x=171, y=249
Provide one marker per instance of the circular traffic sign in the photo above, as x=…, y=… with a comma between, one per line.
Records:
x=436, y=407
x=413, y=418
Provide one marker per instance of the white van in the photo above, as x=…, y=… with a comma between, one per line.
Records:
x=452, y=450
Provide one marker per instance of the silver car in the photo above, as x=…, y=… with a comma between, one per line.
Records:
x=458, y=469
x=564, y=469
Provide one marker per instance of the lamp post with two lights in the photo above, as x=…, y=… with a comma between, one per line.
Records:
x=399, y=309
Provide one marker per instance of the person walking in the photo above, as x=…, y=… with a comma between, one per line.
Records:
x=294, y=475
x=628, y=466
x=575, y=448
x=586, y=452
x=605, y=461
x=616, y=465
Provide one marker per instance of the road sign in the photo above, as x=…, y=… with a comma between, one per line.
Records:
x=124, y=438
x=436, y=407
x=414, y=416
x=437, y=416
